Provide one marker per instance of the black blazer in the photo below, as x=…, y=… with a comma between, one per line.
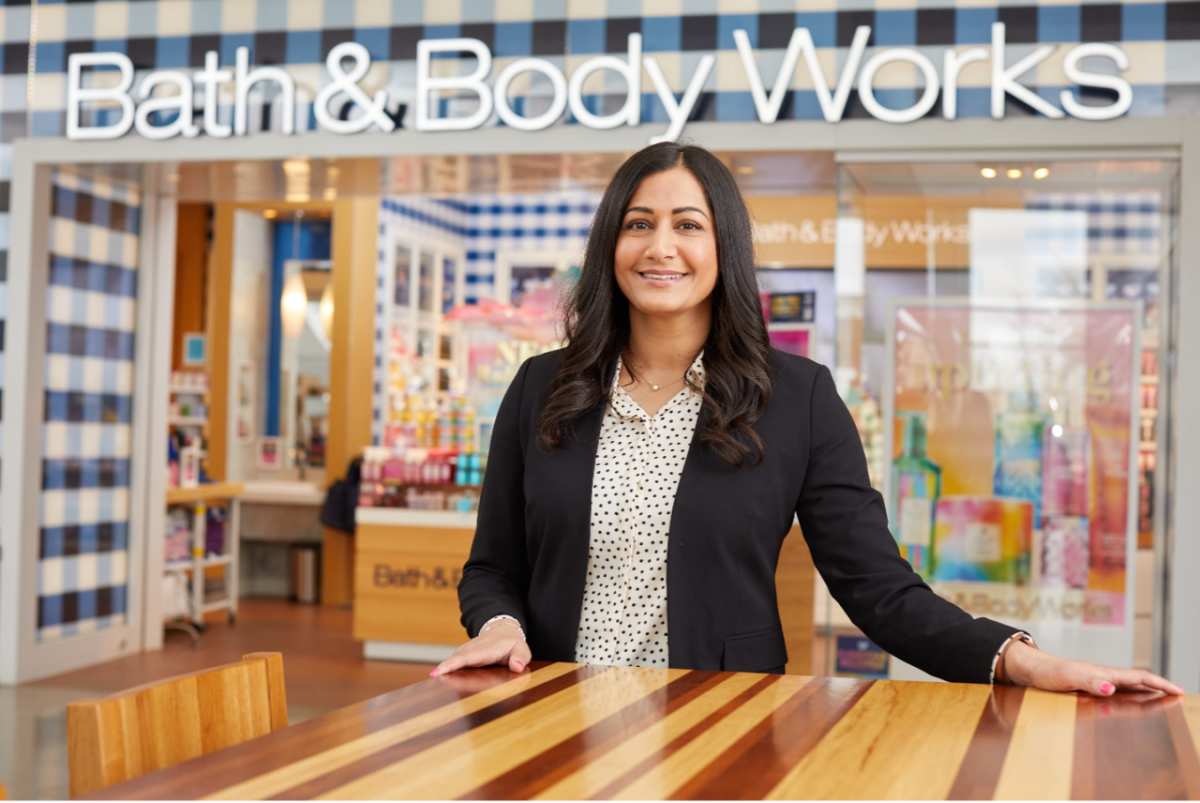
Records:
x=530, y=553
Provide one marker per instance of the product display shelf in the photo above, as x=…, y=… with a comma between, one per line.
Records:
x=194, y=393
x=198, y=500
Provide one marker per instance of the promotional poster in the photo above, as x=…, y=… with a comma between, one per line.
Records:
x=1010, y=489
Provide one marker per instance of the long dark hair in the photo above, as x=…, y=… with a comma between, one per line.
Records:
x=737, y=380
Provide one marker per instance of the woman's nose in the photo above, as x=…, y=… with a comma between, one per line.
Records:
x=662, y=245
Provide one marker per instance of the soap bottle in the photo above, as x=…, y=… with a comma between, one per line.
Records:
x=1018, y=453
x=916, y=486
x=172, y=463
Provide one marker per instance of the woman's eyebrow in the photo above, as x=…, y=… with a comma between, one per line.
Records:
x=677, y=211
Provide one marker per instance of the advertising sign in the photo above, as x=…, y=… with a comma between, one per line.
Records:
x=793, y=338
x=351, y=101
x=1012, y=489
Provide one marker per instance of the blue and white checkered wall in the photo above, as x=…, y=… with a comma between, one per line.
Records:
x=87, y=441
x=1117, y=222
x=481, y=225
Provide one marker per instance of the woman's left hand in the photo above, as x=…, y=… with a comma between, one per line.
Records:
x=1027, y=666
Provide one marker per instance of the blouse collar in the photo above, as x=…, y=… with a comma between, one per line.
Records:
x=624, y=405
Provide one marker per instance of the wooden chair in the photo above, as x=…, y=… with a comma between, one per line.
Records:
x=158, y=725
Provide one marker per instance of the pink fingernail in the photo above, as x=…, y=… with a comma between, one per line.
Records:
x=434, y=673
x=1107, y=688
x=520, y=666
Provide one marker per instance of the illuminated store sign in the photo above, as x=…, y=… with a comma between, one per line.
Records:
x=137, y=106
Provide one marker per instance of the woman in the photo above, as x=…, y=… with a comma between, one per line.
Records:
x=668, y=412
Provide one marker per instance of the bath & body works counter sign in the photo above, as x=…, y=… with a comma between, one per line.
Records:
x=164, y=103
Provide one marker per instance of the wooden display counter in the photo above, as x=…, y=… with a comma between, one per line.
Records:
x=407, y=567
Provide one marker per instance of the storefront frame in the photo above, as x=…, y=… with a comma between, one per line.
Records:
x=1178, y=651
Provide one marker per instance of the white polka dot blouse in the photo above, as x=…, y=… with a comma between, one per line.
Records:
x=638, y=466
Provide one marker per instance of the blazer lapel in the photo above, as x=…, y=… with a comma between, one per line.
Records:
x=688, y=630
x=699, y=455
x=570, y=468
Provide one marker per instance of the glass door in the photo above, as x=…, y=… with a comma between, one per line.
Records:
x=999, y=341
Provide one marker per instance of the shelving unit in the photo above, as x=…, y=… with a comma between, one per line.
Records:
x=198, y=500
x=426, y=354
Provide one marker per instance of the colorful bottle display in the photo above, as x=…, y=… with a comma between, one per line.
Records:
x=916, y=487
x=421, y=479
x=1065, y=487
x=1018, y=472
x=983, y=539
x=446, y=424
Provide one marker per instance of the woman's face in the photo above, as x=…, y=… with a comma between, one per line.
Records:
x=666, y=259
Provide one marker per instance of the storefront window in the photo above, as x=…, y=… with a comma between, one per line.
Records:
x=999, y=337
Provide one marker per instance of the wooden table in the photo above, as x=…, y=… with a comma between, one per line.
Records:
x=572, y=731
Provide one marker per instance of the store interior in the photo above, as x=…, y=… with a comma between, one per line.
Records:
x=325, y=311
x=471, y=255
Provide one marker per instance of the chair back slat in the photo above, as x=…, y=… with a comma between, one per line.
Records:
x=172, y=707
x=275, y=686
x=158, y=725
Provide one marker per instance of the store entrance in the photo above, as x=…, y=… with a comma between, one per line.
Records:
x=317, y=311
x=261, y=368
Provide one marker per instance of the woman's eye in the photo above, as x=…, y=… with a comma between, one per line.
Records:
x=687, y=224
x=637, y=224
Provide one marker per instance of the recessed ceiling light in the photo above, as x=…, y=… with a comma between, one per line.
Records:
x=1013, y=173
x=1041, y=172
x=988, y=172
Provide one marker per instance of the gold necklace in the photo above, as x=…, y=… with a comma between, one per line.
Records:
x=652, y=385
x=673, y=381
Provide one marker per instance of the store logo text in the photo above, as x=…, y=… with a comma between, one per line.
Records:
x=138, y=107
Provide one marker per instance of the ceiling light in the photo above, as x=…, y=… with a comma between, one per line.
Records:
x=293, y=304
x=296, y=167
x=326, y=310
x=1013, y=173
x=747, y=170
x=1041, y=172
x=988, y=172
x=270, y=214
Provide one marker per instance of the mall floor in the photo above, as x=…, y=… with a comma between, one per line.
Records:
x=323, y=668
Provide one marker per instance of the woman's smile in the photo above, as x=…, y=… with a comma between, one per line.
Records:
x=662, y=278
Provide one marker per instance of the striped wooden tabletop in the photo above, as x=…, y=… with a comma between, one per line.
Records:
x=573, y=731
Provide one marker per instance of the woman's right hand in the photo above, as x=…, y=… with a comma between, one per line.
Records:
x=501, y=644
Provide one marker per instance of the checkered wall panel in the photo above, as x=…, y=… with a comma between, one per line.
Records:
x=1163, y=40
x=481, y=226
x=1117, y=223
x=87, y=441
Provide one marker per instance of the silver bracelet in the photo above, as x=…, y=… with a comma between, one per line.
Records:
x=504, y=619
x=1019, y=636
